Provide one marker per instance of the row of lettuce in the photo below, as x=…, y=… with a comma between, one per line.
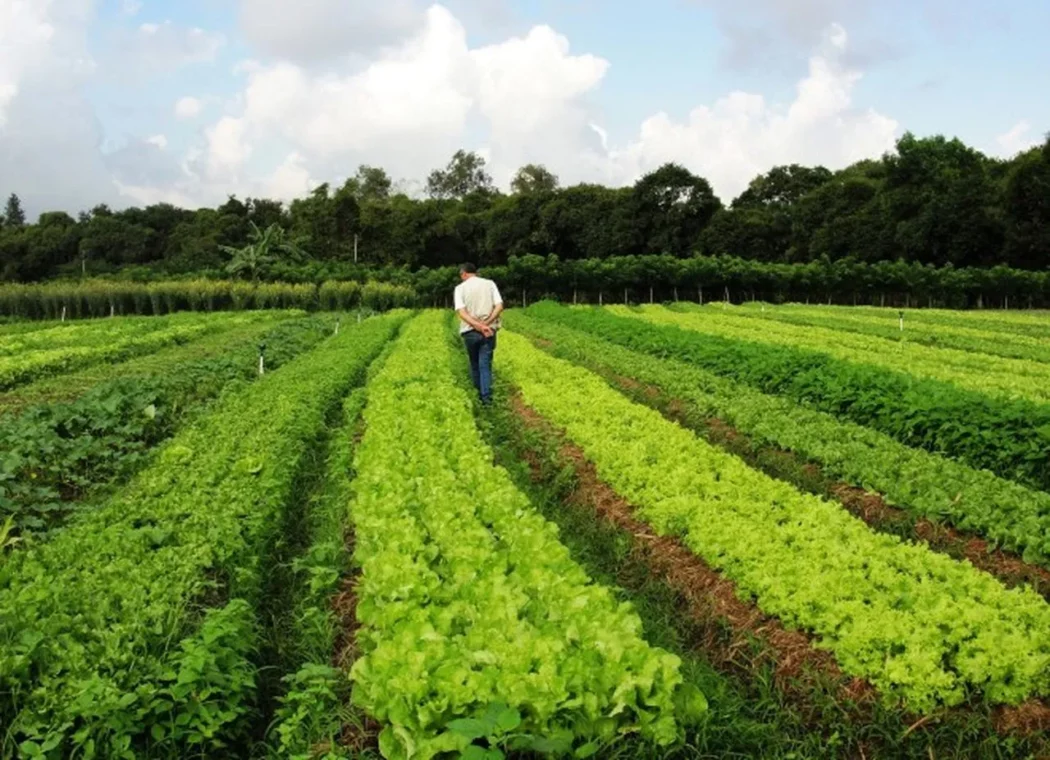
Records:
x=923, y=628
x=1014, y=335
x=926, y=484
x=1007, y=436
x=991, y=375
x=104, y=298
x=477, y=627
x=133, y=631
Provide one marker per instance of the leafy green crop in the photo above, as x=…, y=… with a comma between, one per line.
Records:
x=1009, y=438
x=982, y=373
x=121, y=340
x=925, y=629
x=930, y=485
x=55, y=454
x=477, y=626
x=131, y=632
x=1000, y=342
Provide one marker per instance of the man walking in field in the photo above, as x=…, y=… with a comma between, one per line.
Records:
x=479, y=305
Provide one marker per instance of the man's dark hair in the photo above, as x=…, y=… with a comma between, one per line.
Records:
x=468, y=268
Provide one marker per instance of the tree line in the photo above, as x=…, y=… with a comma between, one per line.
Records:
x=931, y=202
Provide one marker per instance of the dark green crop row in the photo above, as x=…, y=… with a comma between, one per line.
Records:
x=131, y=633
x=55, y=454
x=1009, y=437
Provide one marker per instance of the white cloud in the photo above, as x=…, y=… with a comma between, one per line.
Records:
x=188, y=107
x=131, y=7
x=228, y=148
x=290, y=180
x=742, y=135
x=297, y=123
x=313, y=30
x=49, y=137
x=26, y=34
x=1016, y=140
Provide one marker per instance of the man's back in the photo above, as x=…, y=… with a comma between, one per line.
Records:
x=479, y=297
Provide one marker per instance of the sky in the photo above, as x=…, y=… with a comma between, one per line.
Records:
x=132, y=102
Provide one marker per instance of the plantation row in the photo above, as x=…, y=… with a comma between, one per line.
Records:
x=918, y=625
x=102, y=298
x=65, y=437
x=325, y=562
x=1010, y=437
x=101, y=345
x=1009, y=378
x=1007, y=337
x=922, y=482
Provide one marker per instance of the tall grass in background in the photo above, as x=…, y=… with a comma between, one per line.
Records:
x=102, y=298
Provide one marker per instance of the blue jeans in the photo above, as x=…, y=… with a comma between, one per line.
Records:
x=480, y=350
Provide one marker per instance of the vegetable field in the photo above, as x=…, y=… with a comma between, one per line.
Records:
x=680, y=531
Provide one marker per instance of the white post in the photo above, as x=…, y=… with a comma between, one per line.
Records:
x=112, y=310
x=902, y=321
x=262, y=365
x=600, y=298
x=63, y=313
x=337, y=326
x=676, y=294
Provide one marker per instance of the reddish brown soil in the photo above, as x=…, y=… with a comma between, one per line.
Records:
x=362, y=736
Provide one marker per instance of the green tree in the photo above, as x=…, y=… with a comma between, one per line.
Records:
x=672, y=207
x=941, y=201
x=1027, y=210
x=373, y=183
x=14, y=216
x=465, y=174
x=264, y=249
x=534, y=178
x=782, y=186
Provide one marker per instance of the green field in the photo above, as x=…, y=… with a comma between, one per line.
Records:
x=680, y=532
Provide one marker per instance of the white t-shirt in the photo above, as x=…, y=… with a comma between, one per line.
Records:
x=479, y=297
